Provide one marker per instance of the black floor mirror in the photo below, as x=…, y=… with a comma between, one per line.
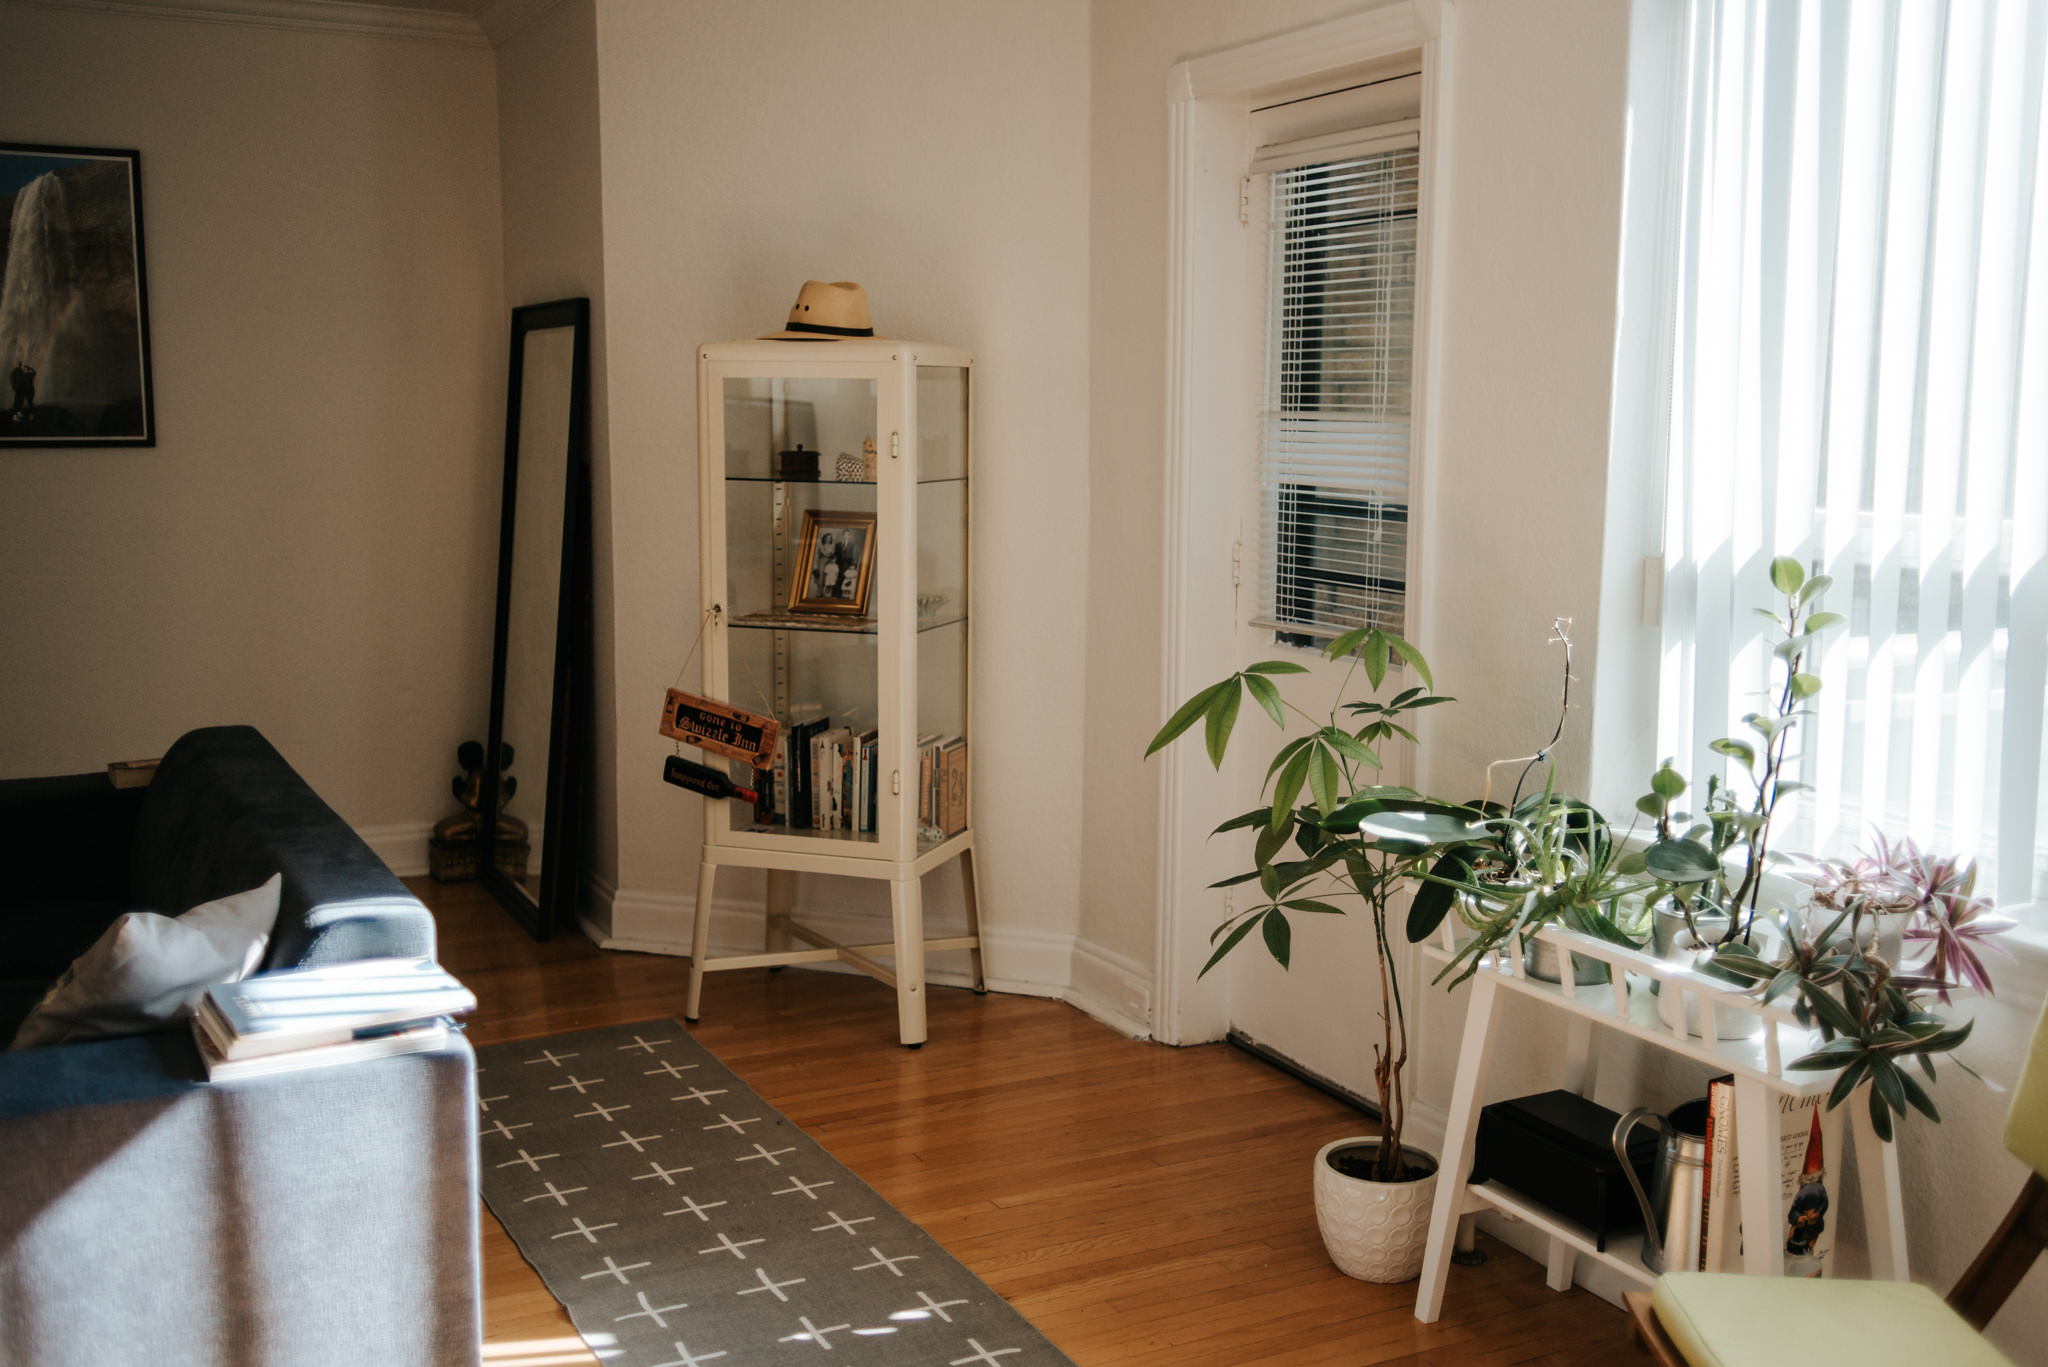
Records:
x=534, y=766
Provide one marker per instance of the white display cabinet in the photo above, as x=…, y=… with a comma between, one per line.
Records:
x=838, y=603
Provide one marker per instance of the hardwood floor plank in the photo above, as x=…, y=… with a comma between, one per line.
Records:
x=1143, y=1206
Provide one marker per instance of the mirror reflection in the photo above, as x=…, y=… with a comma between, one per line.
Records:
x=536, y=577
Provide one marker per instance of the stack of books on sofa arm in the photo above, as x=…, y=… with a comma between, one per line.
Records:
x=337, y=1013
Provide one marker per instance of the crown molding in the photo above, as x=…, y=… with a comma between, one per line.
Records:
x=507, y=17
x=307, y=16
x=1354, y=39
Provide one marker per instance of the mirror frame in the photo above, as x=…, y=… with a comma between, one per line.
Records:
x=568, y=728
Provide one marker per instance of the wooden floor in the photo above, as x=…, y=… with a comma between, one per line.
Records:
x=1141, y=1205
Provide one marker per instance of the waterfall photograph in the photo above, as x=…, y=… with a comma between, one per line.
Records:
x=74, y=318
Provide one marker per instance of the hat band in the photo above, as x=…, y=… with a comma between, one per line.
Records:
x=830, y=331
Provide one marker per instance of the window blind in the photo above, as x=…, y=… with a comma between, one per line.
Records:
x=1862, y=336
x=1334, y=427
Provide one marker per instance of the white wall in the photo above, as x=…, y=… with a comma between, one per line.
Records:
x=550, y=165
x=938, y=154
x=308, y=547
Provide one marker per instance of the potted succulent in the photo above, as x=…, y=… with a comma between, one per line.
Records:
x=1329, y=836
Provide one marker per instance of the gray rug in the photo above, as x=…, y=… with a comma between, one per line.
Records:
x=682, y=1221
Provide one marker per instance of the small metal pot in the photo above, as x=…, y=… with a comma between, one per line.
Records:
x=1540, y=961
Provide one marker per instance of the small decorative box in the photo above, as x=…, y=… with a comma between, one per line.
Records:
x=1557, y=1149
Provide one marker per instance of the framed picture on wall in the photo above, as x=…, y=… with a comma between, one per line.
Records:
x=835, y=564
x=74, y=313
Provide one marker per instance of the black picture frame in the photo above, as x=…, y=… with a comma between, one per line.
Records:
x=74, y=343
x=570, y=717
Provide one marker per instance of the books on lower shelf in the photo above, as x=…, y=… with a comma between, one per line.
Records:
x=827, y=778
x=336, y=1013
x=1808, y=1177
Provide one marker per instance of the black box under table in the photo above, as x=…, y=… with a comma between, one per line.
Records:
x=1557, y=1149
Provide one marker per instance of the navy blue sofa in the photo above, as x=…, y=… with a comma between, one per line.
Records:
x=321, y=1218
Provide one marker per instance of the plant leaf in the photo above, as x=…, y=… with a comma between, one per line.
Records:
x=1432, y=901
x=1680, y=861
x=1276, y=667
x=1223, y=716
x=1180, y=721
x=1814, y=588
x=1414, y=658
x=1821, y=621
x=1805, y=685
x=1374, y=657
x=1311, y=904
x=1880, y=1115
x=1268, y=697
x=1787, y=574
x=1324, y=780
x=1346, y=643
x=1229, y=944
x=1288, y=788
x=1279, y=936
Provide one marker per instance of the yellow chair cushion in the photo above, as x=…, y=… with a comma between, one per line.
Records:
x=2026, y=1124
x=1722, y=1320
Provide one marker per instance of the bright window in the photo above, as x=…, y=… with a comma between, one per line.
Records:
x=1858, y=380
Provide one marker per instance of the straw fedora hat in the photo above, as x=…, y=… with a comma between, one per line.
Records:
x=826, y=313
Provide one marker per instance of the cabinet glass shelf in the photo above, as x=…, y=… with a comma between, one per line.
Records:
x=851, y=626
x=829, y=483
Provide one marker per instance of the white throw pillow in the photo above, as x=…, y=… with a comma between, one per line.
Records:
x=148, y=972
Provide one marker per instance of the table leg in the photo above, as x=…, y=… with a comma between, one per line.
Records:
x=970, y=893
x=1877, y=1172
x=700, y=937
x=1558, y=1270
x=1581, y=1059
x=1460, y=1130
x=781, y=898
x=906, y=906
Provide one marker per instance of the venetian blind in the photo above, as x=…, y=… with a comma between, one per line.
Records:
x=1334, y=427
x=1858, y=381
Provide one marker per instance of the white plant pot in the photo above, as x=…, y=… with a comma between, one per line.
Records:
x=1374, y=1231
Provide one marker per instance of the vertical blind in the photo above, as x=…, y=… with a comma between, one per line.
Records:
x=1860, y=380
x=1333, y=436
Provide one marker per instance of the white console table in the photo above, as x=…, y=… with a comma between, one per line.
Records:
x=1757, y=1063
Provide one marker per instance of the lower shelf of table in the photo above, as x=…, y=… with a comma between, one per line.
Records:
x=1624, y=1251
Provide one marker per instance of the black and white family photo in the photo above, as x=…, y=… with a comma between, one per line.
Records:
x=837, y=560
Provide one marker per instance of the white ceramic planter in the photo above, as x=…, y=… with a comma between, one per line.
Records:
x=1374, y=1231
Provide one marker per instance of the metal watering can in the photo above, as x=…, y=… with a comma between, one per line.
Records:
x=1671, y=1212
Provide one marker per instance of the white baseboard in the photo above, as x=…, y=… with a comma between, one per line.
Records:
x=403, y=846
x=1024, y=962
x=1112, y=988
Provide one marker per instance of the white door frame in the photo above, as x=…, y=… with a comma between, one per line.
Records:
x=1208, y=413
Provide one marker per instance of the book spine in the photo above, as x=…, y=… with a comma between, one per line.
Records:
x=1716, y=1185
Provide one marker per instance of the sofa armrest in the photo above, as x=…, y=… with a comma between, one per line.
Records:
x=139, y=1068
x=320, y=1218
x=66, y=839
x=226, y=811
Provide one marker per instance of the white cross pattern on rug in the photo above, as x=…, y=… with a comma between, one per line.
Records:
x=484, y=1102
x=500, y=1127
x=690, y=1207
x=841, y=1222
x=639, y=1043
x=531, y=1161
x=671, y=1069
x=772, y=1155
x=768, y=1283
x=938, y=1307
x=577, y=1082
x=813, y=1333
x=649, y=1310
x=699, y=1094
x=684, y=1359
x=726, y=1122
x=550, y=1056
x=633, y=1139
x=797, y=1184
x=726, y=1245
x=587, y=1231
x=612, y=1269
x=561, y=1197
x=884, y=1260
x=598, y=1108
x=982, y=1354
x=665, y=1174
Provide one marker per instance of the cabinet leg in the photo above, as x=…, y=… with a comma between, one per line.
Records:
x=970, y=894
x=781, y=899
x=1460, y=1130
x=1558, y=1269
x=906, y=907
x=1877, y=1172
x=1756, y=1168
x=700, y=937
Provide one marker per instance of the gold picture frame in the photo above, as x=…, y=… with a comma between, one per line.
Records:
x=836, y=552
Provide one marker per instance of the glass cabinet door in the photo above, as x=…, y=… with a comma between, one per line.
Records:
x=804, y=572
x=942, y=463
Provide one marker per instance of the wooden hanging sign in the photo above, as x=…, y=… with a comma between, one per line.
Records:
x=720, y=728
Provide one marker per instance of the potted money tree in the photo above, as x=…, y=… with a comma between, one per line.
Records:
x=1330, y=839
